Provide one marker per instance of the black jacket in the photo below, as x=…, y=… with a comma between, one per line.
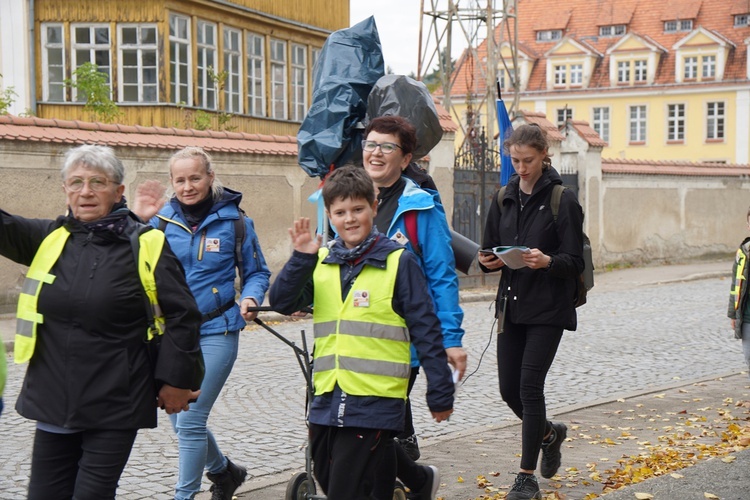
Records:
x=90, y=368
x=293, y=289
x=539, y=296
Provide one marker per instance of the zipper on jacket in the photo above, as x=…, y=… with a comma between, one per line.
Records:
x=218, y=306
x=94, y=267
x=202, y=245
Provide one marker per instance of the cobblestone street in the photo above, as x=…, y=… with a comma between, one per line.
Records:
x=629, y=339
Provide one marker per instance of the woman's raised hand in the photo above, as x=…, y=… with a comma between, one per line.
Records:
x=149, y=198
x=302, y=239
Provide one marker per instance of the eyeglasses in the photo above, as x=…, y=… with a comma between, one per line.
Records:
x=75, y=184
x=386, y=147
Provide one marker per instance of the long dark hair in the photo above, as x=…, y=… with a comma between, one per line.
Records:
x=533, y=136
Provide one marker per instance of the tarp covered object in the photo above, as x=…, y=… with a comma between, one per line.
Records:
x=349, y=64
x=402, y=96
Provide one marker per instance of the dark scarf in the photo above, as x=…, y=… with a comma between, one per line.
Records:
x=388, y=203
x=349, y=255
x=194, y=214
x=115, y=221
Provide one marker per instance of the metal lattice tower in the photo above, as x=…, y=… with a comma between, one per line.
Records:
x=475, y=24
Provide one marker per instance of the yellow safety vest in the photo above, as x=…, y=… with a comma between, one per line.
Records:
x=739, y=277
x=360, y=343
x=27, y=316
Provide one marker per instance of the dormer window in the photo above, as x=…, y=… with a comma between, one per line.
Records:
x=678, y=25
x=612, y=30
x=548, y=35
x=742, y=21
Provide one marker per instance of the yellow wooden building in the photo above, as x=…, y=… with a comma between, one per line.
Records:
x=246, y=63
x=657, y=79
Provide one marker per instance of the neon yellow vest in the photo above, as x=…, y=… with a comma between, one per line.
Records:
x=739, y=278
x=364, y=349
x=27, y=317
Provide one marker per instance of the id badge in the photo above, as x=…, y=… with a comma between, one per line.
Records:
x=400, y=238
x=361, y=298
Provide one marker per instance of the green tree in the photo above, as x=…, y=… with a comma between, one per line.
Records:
x=92, y=83
x=433, y=80
x=7, y=98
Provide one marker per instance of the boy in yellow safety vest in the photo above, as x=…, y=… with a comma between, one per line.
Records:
x=370, y=302
x=739, y=307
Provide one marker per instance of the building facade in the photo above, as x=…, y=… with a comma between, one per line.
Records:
x=243, y=65
x=657, y=79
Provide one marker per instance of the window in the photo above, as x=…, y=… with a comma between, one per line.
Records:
x=206, y=64
x=675, y=26
x=576, y=74
x=278, y=80
x=623, y=72
x=91, y=44
x=742, y=20
x=691, y=68
x=315, y=56
x=233, y=69
x=639, y=70
x=715, y=121
x=637, y=124
x=676, y=122
x=600, y=122
x=138, y=68
x=612, y=30
x=564, y=115
x=256, y=76
x=179, y=60
x=709, y=67
x=560, y=75
x=548, y=35
x=53, y=62
x=299, y=82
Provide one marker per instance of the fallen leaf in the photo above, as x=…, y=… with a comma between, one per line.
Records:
x=677, y=476
x=729, y=459
x=710, y=495
x=460, y=479
x=644, y=496
x=659, y=396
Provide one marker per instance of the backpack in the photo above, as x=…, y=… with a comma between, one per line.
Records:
x=585, y=280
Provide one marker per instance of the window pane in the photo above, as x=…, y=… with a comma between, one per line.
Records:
x=130, y=93
x=82, y=35
x=82, y=56
x=54, y=34
x=130, y=75
x=101, y=35
x=55, y=57
x=102, y=58
x=130, y=57
x=148, y=35
x=149, y=58
x=149, y=93
x=130, y=36
x=149, y=75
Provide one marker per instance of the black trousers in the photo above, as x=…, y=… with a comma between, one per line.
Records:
x=353, y=463
x=408, y=471
x=86, y=465
x=524, y=356
x=409, y=419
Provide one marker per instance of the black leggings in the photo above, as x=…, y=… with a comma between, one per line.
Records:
x=524, y=356
x=83, y=466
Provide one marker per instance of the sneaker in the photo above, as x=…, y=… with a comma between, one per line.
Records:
x=551, y=455
x=429, y=490
x=526, y=487
x=410, y=446
x=227, y=482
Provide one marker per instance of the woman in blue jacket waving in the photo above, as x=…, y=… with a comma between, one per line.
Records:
x=202, y=223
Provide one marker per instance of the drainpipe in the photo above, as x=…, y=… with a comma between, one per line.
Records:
x=32, y=57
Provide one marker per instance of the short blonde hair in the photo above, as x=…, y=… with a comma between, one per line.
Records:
x=194, y=152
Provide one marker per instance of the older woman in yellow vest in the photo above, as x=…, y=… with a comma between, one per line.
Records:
x=99, y=285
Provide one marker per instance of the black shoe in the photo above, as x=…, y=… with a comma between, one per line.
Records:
x=551, y=455
x=429, y=490
x=410, y=446
x=525, y=488
x=227, y=482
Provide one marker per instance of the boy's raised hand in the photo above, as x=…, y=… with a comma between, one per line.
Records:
x=302, y=239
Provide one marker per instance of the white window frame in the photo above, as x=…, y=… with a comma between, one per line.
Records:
x=686, y=25
x=640, y=70
x=92, y=48
x=623, y=71
x=612, y=30
x=207, y=58
x=142, y=51
x=279, y=95
x=600, y=121
x=256, y=74
x=233, y=67
x=637, y=120
x=563, y=115
x=690, y=68
x=576, y=74
x=676, y=122
x=742, y=20
x=708, y=66
x=548, y=35
x=299, y=82
x=47, y=46
x=175, y=61
x=561, y=75
x=715, y=120
x=670, y=26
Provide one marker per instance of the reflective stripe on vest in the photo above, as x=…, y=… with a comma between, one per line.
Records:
x=27, y=317
x=739, y=278
x=364, y=349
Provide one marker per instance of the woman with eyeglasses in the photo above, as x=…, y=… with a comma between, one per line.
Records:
x=387, y=151
x=82, y=326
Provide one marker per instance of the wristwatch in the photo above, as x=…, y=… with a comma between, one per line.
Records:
x=549, y=264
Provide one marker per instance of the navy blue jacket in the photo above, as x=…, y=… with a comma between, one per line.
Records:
x=293, y=289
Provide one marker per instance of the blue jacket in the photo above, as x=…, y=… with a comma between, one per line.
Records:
x=437, y=259
x=207, y=254
x=293, y=289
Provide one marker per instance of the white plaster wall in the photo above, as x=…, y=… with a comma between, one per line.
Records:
x=15, y=53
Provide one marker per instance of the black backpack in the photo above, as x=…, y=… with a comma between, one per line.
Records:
x=586, y=278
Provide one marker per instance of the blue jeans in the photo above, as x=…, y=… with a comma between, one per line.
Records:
x=198, y=448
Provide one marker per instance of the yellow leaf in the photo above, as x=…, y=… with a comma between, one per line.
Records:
x=460, y=479
x=479, y=441
x=659, y=396
x=711, y=495
x=644, y=496
x=729, y=459
x=677, y=476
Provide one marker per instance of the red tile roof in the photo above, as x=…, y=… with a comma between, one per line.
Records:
x=643, y=17
x=446, y=121
x=680, y=168
x=587, y=133
x=553, y=134
x=78, y=132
